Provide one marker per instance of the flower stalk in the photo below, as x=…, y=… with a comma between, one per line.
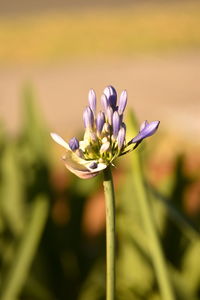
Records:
x=104, y=140
x=110, y=233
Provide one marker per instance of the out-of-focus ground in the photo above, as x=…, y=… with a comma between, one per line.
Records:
x=35, y=6
x=151, y=49
x=165, y=88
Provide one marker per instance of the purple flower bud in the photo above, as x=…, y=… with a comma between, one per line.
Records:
x=111, y=95
x=122, y=102
x=121, y=137
x=74, y=144
x=104, y=102
x=88, y=118
x=109, y=114
x=92, y=100
x=143, y=125
x=100, y=121
x=116, y=124
x=93, y=165
x=148, y=129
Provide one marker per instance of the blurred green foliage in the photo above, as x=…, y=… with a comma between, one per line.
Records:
x=45, y=251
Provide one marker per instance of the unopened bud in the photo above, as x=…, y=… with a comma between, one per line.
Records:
x=74, y=144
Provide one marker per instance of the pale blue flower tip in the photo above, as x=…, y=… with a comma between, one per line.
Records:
x=93, y=165
x=111, y=95
x=148, y=129
x=74, y=144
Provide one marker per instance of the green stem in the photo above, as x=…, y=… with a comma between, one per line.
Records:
x=110, y=233
x=151, y=231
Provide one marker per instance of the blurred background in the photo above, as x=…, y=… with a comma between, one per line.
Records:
x=52, y=238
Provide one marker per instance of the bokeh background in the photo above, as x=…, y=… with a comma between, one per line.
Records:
x=52, y=239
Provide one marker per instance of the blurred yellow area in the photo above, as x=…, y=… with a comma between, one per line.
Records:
x=49, y=37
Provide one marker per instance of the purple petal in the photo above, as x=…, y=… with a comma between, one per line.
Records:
x=92, y=100
x=88, y=118
x=148, y=130
x=109, y=114
x=116, y=124
x=74, y=144
x=100, y=121
x=111, y=95
x=121, y=137
x=122, y=102
x=104, y=102
x=143, y=125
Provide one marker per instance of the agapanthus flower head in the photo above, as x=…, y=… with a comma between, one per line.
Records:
x=104, y=137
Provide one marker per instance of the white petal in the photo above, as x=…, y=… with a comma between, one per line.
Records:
x=60, y=141
x=76, y=164
x=81, y=167
x=82, y=174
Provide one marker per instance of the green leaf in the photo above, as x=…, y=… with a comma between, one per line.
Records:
x=19, y=270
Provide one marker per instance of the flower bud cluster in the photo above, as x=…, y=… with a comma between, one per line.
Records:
x=105, y=131
x=104, y=137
